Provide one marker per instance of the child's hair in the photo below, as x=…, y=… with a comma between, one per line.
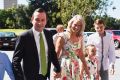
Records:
x=60, y=27
x=87, y=48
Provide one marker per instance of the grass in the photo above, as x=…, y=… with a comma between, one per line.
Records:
x=17, y=31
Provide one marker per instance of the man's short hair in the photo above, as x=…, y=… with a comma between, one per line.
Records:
x=39, y=10
x=99, y=21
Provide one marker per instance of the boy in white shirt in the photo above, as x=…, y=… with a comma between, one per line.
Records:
x=105, y=49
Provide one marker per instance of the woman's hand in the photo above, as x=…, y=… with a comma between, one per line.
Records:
x=79, y=52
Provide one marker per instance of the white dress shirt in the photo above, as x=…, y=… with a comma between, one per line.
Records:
x=108, y=49
x=37, y=38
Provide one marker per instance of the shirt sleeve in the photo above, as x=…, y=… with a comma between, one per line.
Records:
x=89, y=40
x=8, y=67
x=55, y=38
x=112, y=52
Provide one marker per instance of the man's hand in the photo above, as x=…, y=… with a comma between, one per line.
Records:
x=57, y=75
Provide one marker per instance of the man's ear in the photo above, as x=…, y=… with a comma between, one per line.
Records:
x=31, y=19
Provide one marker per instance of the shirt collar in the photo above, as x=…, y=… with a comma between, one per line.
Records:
x=99, y=35
x=36, y=32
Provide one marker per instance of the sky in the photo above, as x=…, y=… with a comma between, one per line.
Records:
x=116, y=12
x=23, y=2
x=112, y=13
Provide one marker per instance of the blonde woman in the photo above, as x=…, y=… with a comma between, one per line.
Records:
x=71, y=42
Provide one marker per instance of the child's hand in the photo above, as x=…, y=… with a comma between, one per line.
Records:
x=97, y=77
x=57, y=75
x=112, y=70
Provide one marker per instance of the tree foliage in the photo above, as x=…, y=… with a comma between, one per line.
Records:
x=59, y=12
x=110, y=22
x=15, y=18
x=69, y=8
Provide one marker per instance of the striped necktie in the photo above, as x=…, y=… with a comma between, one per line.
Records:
x=102, y=47
x=43, y=56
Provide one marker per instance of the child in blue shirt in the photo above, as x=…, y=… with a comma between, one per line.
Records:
x=5, y=65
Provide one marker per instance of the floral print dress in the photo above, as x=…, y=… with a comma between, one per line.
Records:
x=71, y=63
x=92, y=66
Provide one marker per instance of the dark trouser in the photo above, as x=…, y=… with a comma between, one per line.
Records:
x=41, y=77
x=104, y=74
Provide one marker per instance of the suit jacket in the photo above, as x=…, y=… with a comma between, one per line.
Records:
x=26, y=50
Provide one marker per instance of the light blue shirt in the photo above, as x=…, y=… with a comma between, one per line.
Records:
x=5, y=65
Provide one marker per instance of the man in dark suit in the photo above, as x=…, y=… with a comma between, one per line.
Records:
x=28, y=50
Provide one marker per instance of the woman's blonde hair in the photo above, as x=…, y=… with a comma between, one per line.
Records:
x=78, y=18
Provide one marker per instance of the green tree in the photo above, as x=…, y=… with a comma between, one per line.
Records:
x=52, y=9
x=110, y=22
x=68, y=8
x=23, y=15
x=10, y=18
x=3, y=17
x=59, y=12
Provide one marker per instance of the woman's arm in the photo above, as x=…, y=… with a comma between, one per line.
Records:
x=82, y=57
x=59, y=46
x=81, y=71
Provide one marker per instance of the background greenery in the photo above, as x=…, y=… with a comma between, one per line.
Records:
x=59, y=12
